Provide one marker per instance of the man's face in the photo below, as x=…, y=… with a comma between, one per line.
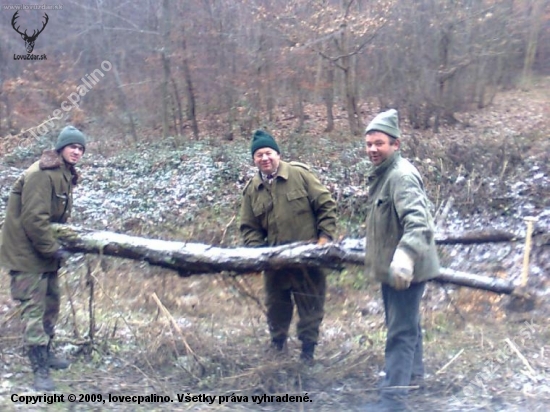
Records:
x=267, y=160
x=72, y=153
x=379, y=146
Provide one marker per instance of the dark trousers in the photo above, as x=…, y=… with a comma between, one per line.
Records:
x=305, y=287
x=404, y=340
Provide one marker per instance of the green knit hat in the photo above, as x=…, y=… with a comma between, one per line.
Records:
x=70, y=135
x=262, y=139
x=386, y=122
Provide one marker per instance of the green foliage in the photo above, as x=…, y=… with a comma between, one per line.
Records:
x=350, y=277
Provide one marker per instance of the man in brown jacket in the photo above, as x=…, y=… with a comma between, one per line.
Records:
x=285, y=203
x=42, y=195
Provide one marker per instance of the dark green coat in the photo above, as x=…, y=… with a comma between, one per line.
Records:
x=295, y=207
x=398, y=216
x=40, y=196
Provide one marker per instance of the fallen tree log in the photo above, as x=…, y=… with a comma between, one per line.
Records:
x=475, y=237
x=476, y=281
x=196, y=258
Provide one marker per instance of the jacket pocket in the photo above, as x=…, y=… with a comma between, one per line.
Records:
x=60, y=206
x=382, y=205
x=24, y=285
x=298, y=201
x=296, y=194
x=382, y=201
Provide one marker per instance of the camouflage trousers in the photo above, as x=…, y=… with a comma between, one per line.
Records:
x=39, y=296
x=305, y=287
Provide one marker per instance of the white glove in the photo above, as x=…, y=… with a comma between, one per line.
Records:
x=401, y=270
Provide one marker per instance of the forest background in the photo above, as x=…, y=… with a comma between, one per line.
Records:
x=170, y=92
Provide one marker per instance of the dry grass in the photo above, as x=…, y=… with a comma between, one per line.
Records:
x=158, y=333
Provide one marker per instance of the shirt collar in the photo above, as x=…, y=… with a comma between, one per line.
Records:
x=282, y=172
x=269, y=177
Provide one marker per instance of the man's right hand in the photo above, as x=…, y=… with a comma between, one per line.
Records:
x=401, y=270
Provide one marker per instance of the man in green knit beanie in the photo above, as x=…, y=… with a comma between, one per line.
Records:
x=40, y=196
x=284, y=203
x=400, y=253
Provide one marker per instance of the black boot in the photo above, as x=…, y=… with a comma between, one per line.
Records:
x=278, y=343
x=308, y=350
x=38, y=355
x=277, y=347
x=53, y=361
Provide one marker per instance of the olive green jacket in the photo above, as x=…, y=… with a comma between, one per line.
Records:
x=40, y=196
x=294, y=207
x=398, y=216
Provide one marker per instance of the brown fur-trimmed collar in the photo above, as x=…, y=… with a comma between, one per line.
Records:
x=51, y=159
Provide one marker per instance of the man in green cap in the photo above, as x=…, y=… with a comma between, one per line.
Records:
x=400, y=253
x=40, y=196
x=285, y=203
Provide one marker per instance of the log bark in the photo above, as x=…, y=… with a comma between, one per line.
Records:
x=476, y=281
x=475, y=237
x=196, y=258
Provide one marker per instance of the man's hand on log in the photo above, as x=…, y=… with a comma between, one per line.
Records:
x=61, y=254
x=322, y=240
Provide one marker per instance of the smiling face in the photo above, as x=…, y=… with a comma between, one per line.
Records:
x=380, y=146
x=267, y=160
x=72, y=153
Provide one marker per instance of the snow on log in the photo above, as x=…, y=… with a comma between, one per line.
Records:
x=195, y=258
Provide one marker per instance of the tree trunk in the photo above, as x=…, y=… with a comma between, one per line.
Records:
x=191, y=104
x=476, y=281
x=300, y=106
x=165, y=57
x=537, y=8
x=475, y=236
x=165, y=95
x=349, y=85
x=194, y=258
x=179, y=127
x=118, y=80
x=124, y=103
x=328, y=95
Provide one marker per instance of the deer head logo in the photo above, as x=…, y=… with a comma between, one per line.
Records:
x=29, y=40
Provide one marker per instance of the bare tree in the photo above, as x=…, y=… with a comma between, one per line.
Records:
x=339, y=32
x=436, y=57
x=535, y=17
x=247, y=63
x=165, y=58
x=109, y=49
